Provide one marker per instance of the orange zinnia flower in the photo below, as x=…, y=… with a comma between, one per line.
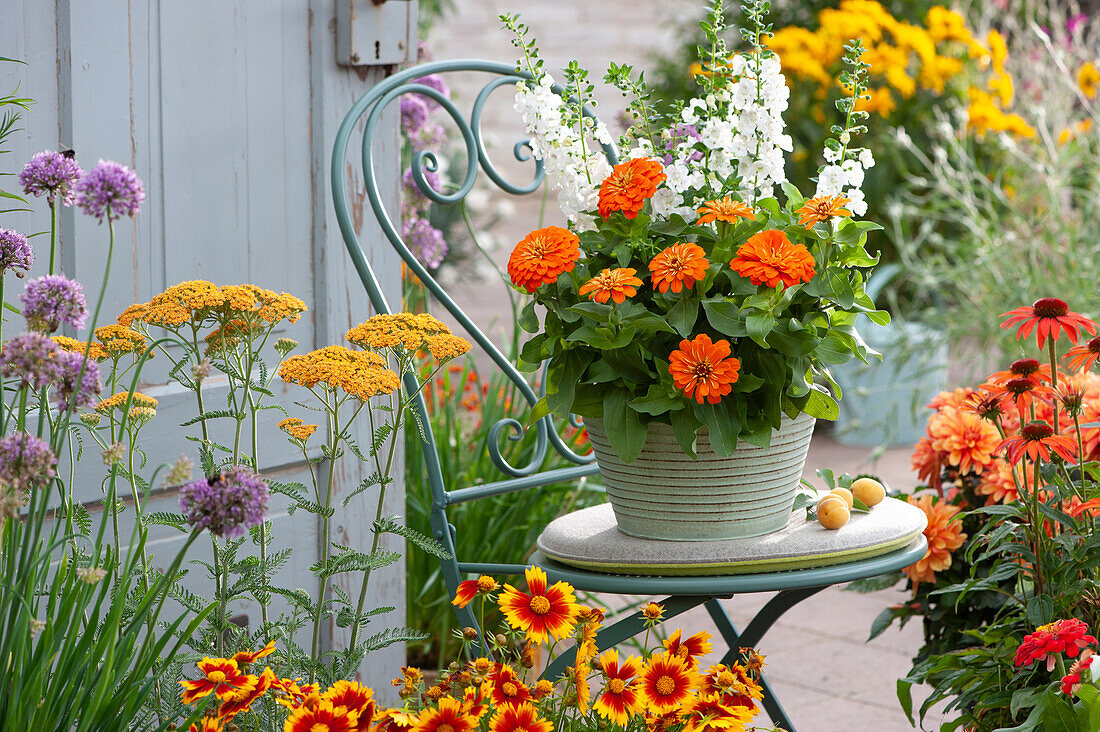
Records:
x=944, y=536
x=519, y=718
x=322, y=716
x=620, y=700
x=220, y=676
x=1082, y=357
x=507, y=688
x=678, y=266
x=1048, y=317
x=1036, y=440
x=703, y=370
x=611, y=284
x=543, y=255
x=667, y=682
x=629, y=186
x=769, y=258
x=690, y=648
x=822, y=208
x=725, y=209
x=546, y=610
x=964, y=439
x=449, y=717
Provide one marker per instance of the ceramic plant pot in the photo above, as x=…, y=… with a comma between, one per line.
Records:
x=665, y=494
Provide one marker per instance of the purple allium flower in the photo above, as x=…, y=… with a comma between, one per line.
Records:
x=428, y=137
x=51, y=174
x=423, y=52
x=414, y=113
x=412, y=196
x=226, y=504
x=70, y=394
x=25, y=460
x=680, y=136
x=110, y=189
x=31, y=358
x=425, y=241
x=15, y=252
x=435, y=81
x=51, y=301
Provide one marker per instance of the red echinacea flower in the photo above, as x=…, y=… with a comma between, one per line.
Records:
x=1048, y=317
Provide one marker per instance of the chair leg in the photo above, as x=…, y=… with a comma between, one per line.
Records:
x=753, y=634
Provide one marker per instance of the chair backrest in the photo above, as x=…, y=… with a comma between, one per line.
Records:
x=368, y=109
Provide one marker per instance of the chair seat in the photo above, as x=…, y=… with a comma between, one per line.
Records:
x=587, y=545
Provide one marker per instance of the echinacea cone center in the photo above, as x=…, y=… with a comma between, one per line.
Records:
x=1037, y=431
x=1050, y=307
x=1024, y=366
x=616, y=686
x=665, y=685
x=540, y=605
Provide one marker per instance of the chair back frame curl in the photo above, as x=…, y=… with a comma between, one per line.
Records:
x=679, y=593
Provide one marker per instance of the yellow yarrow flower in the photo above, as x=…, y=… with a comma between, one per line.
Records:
x=118, y=340
x=118, y=400
x=96, y=352
x=403, y=330
x=361, y=374
x=297, y=429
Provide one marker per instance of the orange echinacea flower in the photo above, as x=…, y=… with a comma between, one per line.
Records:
x=725, y=209
x=542, y=256
x=678, y=266
x=545, y=611
x=822, y=208
x=1048, y=317
x=702, y=369
x=769, y=258
x=629, y=186
x=944, y=536
x=1083, y=356
x=611, y=284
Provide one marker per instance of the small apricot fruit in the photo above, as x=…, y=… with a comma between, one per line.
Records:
x=843, y=493
x=868, y=490
x=832, y=513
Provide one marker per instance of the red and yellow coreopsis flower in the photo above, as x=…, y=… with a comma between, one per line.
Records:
x=519, y=718
x=246, y=657
x=447, y=717
x=319, y=714
x=708, y=713
x=689, y=648
x=469, y=589
x=771, y=259
x=394, y=720
x=620, y=699
x=666, y=682
x=544, y=611
x=220, y=677
x=506, y=686
x=704, y=370
x=241, y=700
x=355, y=697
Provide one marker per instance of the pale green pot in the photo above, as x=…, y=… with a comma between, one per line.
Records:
x=665, y=494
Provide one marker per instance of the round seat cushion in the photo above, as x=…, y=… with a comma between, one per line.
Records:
x=590, y=540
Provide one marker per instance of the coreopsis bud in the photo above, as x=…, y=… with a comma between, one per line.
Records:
x=470, y=634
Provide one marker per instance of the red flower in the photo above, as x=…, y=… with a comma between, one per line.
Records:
x=220, y=676
x=620, y=699
x=507, y=688
x=1048, y=317
x=1061, y=636
x=1021, y=392
x=1071, y=682
x=690, y=648
x=545, y=611
x=1082, y=357
x=1036, y=440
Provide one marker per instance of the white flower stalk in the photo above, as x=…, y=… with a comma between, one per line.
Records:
x=572, y=168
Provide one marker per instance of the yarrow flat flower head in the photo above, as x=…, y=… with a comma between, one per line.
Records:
x=226, y=504
x=52, y=301
x=362, y=374
x=110, y=190
x=15, y=252
x=51, y=174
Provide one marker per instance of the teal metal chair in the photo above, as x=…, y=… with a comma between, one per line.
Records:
x=679, y=594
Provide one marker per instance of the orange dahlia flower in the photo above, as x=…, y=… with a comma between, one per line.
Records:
x=611, y=284
x=1048, y=317
x=448, y=717
x=519, y=718
x=629, y=186
x=541, y=256
x=997, y=484
x=954, y=398
x=666, y=682
x=964, y=439
x=725, y=209
x=944, y=536
x=545, y=611
x=704, y=370
x=927, y=463
x=769, y=258
x=822, y=208
x=620, y=699
x=220, y=677
x=679, y=266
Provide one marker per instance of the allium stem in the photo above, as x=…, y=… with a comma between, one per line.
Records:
x=55, y=214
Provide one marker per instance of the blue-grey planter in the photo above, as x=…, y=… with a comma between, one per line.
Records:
x=665, y=494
